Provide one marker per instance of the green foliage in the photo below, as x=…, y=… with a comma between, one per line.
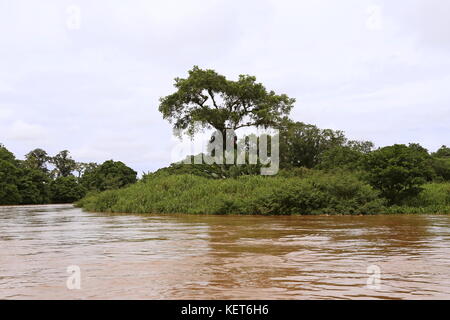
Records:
x=343, y=157
x=300, y=172
x=22, y=182
x=441, y=164
x=435, y=210
x=7, y=156
x=110, y=175
x=305, y=145
x=322, y=172
x=213, y=171
x=207, y=99
x=83, y=168
x=34, y=186
x=29, y=181
x=301, y=145
x=432, y=194
x=315, y=194
x=433, y=199
x=360, y=146
x=63, y=163
x=441, y=167
x=9, y=173
x=322, y=194
x=443, y=152
x=37, y=160
x=66, y=190
x=398, y=171
x=201, y=170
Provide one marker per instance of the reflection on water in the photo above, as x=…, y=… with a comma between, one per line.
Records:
x=214, y=257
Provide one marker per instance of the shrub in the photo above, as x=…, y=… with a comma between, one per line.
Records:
x=108, y=176
x=316, y=194
x=433, y=194
x=398, y=171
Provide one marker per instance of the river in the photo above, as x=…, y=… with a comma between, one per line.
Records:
x=221, y=257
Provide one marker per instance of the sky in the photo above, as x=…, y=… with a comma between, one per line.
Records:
x=87, y=75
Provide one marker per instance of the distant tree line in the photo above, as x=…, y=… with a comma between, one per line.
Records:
x=43, y=179
x=397, y=171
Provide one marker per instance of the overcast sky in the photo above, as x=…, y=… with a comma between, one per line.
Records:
x=379, y=70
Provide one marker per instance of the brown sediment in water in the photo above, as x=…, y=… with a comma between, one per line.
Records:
x=220, y=257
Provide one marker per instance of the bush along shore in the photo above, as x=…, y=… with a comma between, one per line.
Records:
x=257, y=195
x=347, y=179
x=314, y=194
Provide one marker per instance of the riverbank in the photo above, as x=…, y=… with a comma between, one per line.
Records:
x=37, y=205
x=315, y=194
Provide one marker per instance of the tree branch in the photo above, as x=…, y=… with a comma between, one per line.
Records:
x=211, y=94
x=244, y=125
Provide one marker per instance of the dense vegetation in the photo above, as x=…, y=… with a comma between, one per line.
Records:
x=316, y=193
x=41, y=179
x=395, y=179
x=322, y=172
x=347, y=178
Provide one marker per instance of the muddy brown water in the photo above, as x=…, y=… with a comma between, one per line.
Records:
x=221, y=257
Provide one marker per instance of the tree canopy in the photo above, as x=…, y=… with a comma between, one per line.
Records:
x=37, y=159
x=110, y=175
x=66, y=190
x=306, y=145
x=31, y=182
x=64, y=164
x=208, y=100
x=443, y=152
x=399, y=171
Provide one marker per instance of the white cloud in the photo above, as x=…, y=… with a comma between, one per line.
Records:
x=5, y=113
x=23, y=131
x=4, y=87
x=95, y=90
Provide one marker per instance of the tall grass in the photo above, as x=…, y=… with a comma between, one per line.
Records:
x=434, y=199
x=311, y=194
x=433, y=194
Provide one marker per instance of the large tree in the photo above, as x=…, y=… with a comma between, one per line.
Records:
x=82, y=168
x=301, y=145
x=64, y=164
x=9, y=175
x=34, y=186
x=23, y=182
x=207, y=100
x=441, y=163
x=37, y=159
